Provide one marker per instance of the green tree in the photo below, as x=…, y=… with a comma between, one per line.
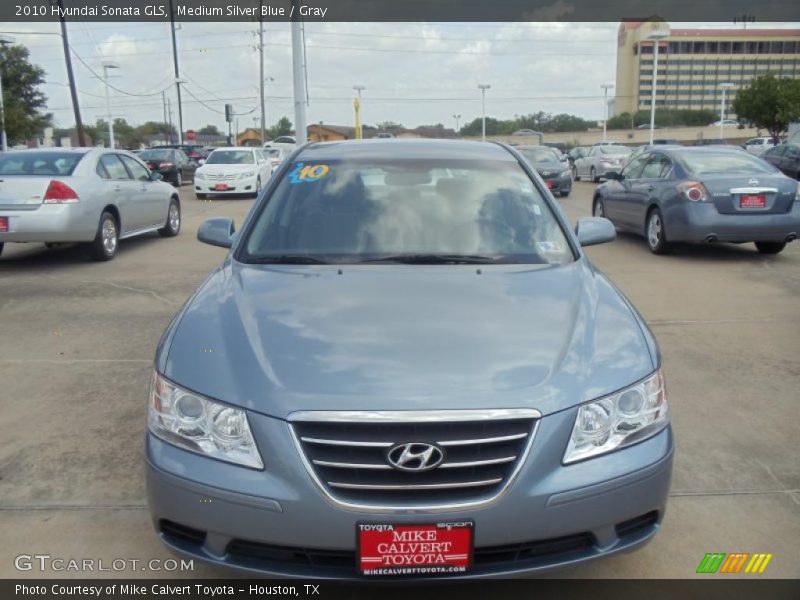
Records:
x=282, y=127
x=770, y=102
x=388, y=125
x=23, y=101
x=209, y=130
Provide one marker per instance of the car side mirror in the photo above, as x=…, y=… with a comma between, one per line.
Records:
x=594, y=230
x=156, y=176
x=217, y=232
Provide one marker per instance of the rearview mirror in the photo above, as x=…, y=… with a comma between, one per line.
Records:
x=594, y=230
x=217, y=232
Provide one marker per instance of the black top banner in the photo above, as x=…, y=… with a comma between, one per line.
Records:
x=399, y=10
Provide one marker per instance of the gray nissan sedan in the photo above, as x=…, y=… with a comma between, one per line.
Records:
x=406, y=366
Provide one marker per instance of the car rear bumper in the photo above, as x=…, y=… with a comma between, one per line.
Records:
x=559, y=184
x=699, y=222
x=50, y=223
x=277, y=522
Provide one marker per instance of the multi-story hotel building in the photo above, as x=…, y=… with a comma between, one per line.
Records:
x=692, y=63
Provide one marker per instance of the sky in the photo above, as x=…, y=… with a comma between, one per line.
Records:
x=413, y=73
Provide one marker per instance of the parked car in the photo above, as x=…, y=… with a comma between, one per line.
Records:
x=88, y=195
x=724, y=122
x=600, y=160
x=712, y=194
x=338, y=411
x=759, y=145
x=384, y=135
x=525, y=132
x=276, y=156
x=232, y=170
x=666, y=141
x=638, y=151
x=555, y=174
x=193, y=152
x=785, y=157
x=174, y=166
x=577, y=152
x=561, y=147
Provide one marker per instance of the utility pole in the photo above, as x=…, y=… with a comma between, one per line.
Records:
x=483, y=87
x=606, y=87
x=73, y=91
x=298, y=78
x=107, y=64
x=261, y=73
x=457, y=117
x=359, y=133
x=169, y=112
x=177, y=69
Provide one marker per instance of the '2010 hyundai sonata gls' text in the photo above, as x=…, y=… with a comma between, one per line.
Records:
x=407, y=367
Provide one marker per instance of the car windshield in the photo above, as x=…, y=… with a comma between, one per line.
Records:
x=155, y=154
x=615, y=150
x=539, y=154
x=230, y=157
x=407, y=211
x=39, y=163
x=724, y=161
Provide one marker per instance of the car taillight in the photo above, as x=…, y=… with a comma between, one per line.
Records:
x=694, y=191
x=59, y=192
x=165, y=165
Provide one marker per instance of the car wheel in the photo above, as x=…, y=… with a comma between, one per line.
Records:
x=564, y=193
x=173, y=225
x=258, y=186
x=598, y=208
x=656, y=233
x=593, y=176
x=178, y=180
x=1, y=247
x=104, y=246
x=770, y=247
x=575, y=173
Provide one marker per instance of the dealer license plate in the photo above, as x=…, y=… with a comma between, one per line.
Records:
x=221, y=187
x=752, y=201
x=432, y=549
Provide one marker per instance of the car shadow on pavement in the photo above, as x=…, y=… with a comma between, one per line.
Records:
x=713, y=252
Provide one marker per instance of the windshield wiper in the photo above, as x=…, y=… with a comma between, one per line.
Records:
x=285, y=259
x=435, y=259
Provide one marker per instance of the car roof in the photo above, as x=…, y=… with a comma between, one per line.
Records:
x=381, y=149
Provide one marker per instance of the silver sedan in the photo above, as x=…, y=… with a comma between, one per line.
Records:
x=599, y=160
x=89, y=195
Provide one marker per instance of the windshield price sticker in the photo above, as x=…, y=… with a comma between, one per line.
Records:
x=304, y=173
x=414, y=549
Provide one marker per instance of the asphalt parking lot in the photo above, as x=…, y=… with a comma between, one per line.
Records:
x=77, y=340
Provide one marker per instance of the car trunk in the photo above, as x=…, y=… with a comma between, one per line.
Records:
x=23, y=192
x=744, y=194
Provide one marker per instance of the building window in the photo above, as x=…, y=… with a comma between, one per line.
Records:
x=763, y=47
x=789, y=47
x=752, y=47
x=713, y=47
x=685, y=48
x=699, y=47
x=724, y=47
x=646, y=49
x=737, y=48
x=672, y=48
x=776, y=47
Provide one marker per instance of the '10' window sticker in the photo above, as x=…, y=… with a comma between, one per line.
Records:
x=304, y=173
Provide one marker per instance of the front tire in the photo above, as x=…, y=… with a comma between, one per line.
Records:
x=564, y=193
x=173, y=224
x=575, y=173
x=105, y=244
x=593, y=176
x=1, y=247
x=598, y=208
x=770, y=247
x=258, y=186
x=178, y=180
x=656, y=233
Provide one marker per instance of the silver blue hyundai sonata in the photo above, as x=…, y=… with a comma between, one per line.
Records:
x=406, y=367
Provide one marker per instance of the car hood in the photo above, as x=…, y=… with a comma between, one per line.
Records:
x=278, y=339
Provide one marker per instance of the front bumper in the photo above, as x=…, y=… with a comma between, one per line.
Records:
x=235, y=186
x=558, y=184
x=51, y=223
x=277, y=522
x=696, y=222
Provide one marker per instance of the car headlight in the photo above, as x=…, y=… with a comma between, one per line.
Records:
x=194, y=423
x=199, y=175
x=247, y=174
x=623, y=418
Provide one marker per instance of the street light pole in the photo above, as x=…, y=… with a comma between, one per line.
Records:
x=483, y=87
x=606, y=87
x=457, y=117
x=178, y=80
x=107, y=64
x=725, y=87
x=359, y=133
x=4, y=41
x=656, y=36
x=298, y=77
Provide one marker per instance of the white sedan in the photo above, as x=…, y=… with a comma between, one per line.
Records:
x=232, y=171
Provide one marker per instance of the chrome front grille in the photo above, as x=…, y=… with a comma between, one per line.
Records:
x=348, y=455
x=221, y=177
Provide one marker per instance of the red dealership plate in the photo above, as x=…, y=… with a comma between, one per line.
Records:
x=221, y=187
x=432, y=549
x=752, y=201
x=3, y=223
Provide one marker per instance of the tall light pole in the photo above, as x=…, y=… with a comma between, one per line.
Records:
x=359, y=133
x=264, y=81
x=4, y=41
x=724, y=87
x=457, y=117
x=108, y=64
x=483, y=87
x=298, y=77
x=655, y=36
x=261, y=75
x=606, y=87
x=178, y=80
